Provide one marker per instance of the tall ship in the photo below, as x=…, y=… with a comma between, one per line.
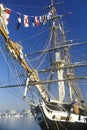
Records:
x=48, y=76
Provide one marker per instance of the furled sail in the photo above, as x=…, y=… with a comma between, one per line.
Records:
x=16, y=51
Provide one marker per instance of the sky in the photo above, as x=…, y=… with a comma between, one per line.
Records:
x=76, y=23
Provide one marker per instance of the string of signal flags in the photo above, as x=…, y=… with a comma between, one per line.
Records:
x=35, y=20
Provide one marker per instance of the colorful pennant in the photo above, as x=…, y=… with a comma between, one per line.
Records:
x=35, y=20
x=26, y=21
x=19, y=22
x=8, y=11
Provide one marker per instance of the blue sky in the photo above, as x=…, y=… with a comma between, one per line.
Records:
x=76, y=23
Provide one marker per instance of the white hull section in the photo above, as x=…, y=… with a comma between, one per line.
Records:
x=55, y=115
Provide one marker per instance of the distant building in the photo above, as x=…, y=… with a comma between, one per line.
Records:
x=11, y=112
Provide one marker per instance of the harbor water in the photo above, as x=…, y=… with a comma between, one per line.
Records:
x=18, y=123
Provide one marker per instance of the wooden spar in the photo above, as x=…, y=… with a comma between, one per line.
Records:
x=13, y=46
x=13, y=49
x=46, y=81
x=3, y=32
x=74, y=65
x=24, y=63
x=59, y=47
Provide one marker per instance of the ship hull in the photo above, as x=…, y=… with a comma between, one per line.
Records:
x=58, y=125
x=47, y=124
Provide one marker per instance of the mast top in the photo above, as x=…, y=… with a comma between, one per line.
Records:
x=51, y=2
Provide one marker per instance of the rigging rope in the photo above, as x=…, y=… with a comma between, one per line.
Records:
x=47, y=45
x=7, y=62
x=15, y=78
x=45, y=53
x=33, y=36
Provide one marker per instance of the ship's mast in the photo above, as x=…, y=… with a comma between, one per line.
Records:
x=51, y=2
x=56, y=60
x=60, y=58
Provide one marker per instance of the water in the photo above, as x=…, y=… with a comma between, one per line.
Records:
x=18, y=123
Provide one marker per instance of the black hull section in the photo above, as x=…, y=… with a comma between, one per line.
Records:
x=51, y=125
x=47, y=124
